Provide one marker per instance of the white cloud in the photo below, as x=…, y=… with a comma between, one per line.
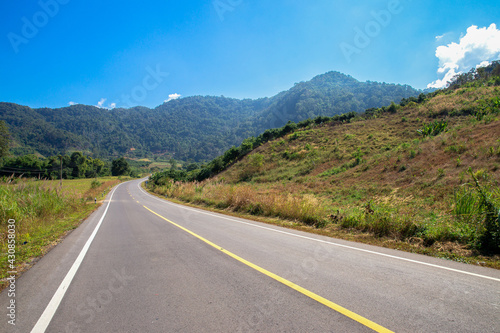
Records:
x=101, y=103
x=478, y=46
x=72, y=103
x=171, y=97
x=484, y=64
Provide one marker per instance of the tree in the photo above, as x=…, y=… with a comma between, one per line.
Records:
x=173, y=164
x=95, y=167
x=78, y=164
x=192, y=167
x=4, y=139
x=393, y=108
x=231, y=155
x=120, y=167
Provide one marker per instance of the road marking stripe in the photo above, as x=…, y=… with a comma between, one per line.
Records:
x=323, y=241
x=322, y=300
x=47, y=315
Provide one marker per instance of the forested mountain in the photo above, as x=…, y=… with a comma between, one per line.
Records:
x=328, y=94
x=192, y=128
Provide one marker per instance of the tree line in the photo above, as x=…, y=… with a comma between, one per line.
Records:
x=488, y=75
x=74, y=166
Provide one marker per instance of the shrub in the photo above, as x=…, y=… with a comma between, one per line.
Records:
x=95, y=184
x=433, y=128
x=254, y=165
x=382, y=222
x=476, y=210
x=440, y=173
x=392, y=108
x=490, y=239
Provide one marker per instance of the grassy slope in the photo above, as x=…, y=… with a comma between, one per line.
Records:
x=44, y=214
x=341, y=175
x=397, y=163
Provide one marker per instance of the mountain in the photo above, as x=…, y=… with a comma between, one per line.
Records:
x=193, y=128
x=328, y=94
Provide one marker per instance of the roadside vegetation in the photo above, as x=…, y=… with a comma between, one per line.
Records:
x=74, y=166
x=44, y=213
x=422, y=175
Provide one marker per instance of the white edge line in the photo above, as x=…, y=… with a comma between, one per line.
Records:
x=51, y=308
x=323, y=241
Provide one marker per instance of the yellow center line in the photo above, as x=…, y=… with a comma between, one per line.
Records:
x=366, y=322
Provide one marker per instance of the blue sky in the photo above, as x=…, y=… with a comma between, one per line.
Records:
x=119, y=53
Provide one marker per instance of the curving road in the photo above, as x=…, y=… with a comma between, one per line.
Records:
x=143, y=264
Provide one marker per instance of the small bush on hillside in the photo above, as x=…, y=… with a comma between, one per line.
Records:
x=433, y=128
x=477, y=211
x=254, y=165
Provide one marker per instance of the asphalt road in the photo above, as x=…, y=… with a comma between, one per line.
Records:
x=154, y=266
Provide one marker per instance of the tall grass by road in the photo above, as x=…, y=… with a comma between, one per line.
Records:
x=243, y=198
x=43, y=213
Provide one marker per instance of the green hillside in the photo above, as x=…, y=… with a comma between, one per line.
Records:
x=328, y=94
x=402, y=174
x=189, y=129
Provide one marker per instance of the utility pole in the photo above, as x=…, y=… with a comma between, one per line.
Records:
x=60, y=181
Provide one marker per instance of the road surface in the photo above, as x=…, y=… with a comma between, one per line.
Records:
x=142, y=264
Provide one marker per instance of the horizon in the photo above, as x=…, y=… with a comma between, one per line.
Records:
x=128, y=55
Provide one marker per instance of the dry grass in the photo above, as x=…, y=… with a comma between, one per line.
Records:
x=244, y=198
